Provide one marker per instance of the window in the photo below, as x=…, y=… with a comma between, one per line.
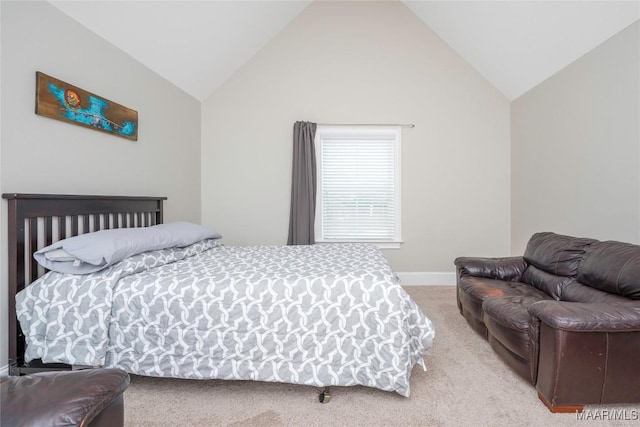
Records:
x=358, y=184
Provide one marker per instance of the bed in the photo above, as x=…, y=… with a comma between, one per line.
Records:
x=319, y=315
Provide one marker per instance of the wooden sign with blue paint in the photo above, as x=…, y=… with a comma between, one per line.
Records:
x=62, y=101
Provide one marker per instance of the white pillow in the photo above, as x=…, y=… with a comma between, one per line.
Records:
x=92, y=252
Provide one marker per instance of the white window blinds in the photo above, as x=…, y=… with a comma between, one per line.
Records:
x=358, y=185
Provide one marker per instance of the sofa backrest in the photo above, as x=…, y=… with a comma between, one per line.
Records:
x=577, y=292
x=553, y=261
x=612, y=267
x=548, y=283
x=555, y=253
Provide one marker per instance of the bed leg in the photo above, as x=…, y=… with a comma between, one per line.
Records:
x=325, y=396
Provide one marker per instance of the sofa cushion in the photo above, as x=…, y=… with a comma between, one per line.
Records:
x=612, y=267
x=577, y=292
x=473, y=291
x=507, y=320
x=479, y=289
x=548, y=283
x=512, y=311
x=555, y=253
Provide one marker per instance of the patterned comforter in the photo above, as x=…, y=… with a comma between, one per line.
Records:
x=318, y=315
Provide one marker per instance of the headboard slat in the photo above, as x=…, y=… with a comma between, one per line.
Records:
x=33, y=246
x=48, y=230
x=62, y=227
x=74, y=225
x=85, y=225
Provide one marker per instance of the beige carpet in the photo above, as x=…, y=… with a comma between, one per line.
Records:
x=465, y=385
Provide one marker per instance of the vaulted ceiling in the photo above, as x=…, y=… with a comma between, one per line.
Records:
x=197, y=45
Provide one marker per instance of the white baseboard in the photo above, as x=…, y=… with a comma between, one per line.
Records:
x=427, y=278
x=4, y=370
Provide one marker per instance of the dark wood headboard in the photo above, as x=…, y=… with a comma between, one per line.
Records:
x=37, y=220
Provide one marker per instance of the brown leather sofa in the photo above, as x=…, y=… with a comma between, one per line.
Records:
x=91, y=397
x=565, y=316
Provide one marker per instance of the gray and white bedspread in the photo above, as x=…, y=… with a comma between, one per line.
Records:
x=318, y=315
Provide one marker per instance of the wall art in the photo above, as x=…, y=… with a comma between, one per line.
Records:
x=62, y=101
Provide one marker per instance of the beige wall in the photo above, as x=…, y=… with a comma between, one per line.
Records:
x=355, y=62
x=42, y=155
x=576, y=148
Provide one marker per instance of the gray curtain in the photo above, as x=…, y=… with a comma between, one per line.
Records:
x=303, y=185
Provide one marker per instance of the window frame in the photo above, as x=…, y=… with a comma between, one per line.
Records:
x=361, y=132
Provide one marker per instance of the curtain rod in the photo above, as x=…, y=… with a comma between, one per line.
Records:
x=410, y=125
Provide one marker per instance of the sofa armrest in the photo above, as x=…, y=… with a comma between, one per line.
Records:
x=588, y=317
x=64, y=398
x=510, y=268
